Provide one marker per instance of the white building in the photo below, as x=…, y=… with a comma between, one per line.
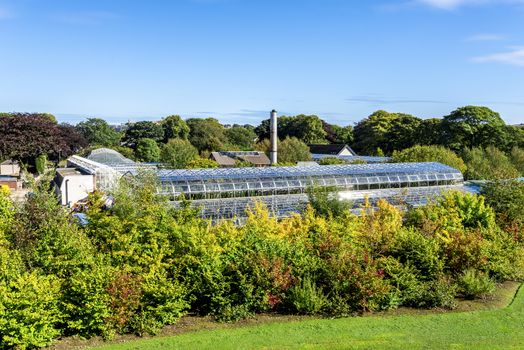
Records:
x=72, y=186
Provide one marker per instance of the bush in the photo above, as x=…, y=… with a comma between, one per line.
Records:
x=147, y=150
x=430, y=154
x=40, y=163
x=178, y=153
x=332, y=161
x=488, y=164
x=473, y=284
x=437, y=293
x=507, y=199
x=29, y=311
x=307, y=298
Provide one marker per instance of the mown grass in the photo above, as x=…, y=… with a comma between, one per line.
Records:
x=489, y=327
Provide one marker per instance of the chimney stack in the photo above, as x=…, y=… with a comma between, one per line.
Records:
x=273, y=155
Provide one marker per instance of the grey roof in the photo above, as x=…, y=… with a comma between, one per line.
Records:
x=294, y=171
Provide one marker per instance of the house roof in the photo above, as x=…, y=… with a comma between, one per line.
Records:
x=9, y=162
x=223, y=160
x=257, y=159
x=333, y=149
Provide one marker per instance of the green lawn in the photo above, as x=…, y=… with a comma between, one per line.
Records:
x=487, y=329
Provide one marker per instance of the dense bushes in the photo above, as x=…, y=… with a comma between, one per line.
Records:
x=141, y=265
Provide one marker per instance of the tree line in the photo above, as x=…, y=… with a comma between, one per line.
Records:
x=471, y=132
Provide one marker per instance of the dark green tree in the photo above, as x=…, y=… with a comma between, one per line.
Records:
x=178, y=153
x=429, y=154
x=147, y=150
x=142, y=130
x=97, y=132
x=473, y=126
x=206, y=134
x=175, y=128
x=241, y=137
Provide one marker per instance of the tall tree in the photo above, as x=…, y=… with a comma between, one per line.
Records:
x=147, y=150
x=241, y=137
x=178, y=153
x=206, y=134
x=175, y=128
x=142, y=130
x=98, y=132
x=73, y=141
x=25, y=136
x=338, y=134
x=307, y=128
x=473, y=126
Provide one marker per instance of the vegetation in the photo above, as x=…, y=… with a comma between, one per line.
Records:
x=488, y=164
x=492, y=329
x=178, y=153
x=290, y=151
x=97, y=132
x=174, y=128
x=147, y=150
x=142, y=130
x=141, y=264
x=430, y=154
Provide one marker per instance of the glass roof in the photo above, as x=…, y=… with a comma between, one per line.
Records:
x=320, y=171
x=108, y=157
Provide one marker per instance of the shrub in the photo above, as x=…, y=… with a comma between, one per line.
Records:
x=326, y=203
x=29, y=311
x=332, y=161
x=473, y=284
x=488, y=164
x=430, y=154
x=40, y=163
x=437, y=293
x=507, y=199
x=307, y=298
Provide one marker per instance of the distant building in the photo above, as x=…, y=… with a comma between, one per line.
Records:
x=332, y=150
x=10, y=168
x=11, y=182
x=72, y=186
x=228, y=159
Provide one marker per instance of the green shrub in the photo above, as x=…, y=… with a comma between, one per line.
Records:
x=474, y=284
x=507, y=199
x=40, y=163
x=488, y=164
x=430, y=154
x=29, y=311
x=437, y=293
x=307, y=298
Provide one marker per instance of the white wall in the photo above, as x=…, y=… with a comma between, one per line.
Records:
x=78, y=187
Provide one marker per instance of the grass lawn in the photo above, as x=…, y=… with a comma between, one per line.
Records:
x=493, y=325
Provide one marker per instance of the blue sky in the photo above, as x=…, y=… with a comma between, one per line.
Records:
x=237, y=59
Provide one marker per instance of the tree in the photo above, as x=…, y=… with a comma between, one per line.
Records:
x=206, y=134
x=74, y=141
x=429, y=132
x=430, y=154
x=241, y=137
x=387, y=131
x=488, y=164
x=290, y=151
x=174, y=128
x=142, y=130
x=147, y=150
x=307, y=128
x=25, y=136
x=97, y=132
x=473, y=126
x=178, y=153
x=337, y=134
x=517, y=159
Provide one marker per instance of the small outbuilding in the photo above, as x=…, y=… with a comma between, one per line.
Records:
x=11, y=182
x=10, y=168
x=332, y=150
x=72, y=186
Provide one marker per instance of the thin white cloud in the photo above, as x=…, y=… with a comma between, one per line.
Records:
x=486, y=37
x=454, y=4
x=513, y=57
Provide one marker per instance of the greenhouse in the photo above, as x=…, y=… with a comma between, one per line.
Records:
x=227, y=193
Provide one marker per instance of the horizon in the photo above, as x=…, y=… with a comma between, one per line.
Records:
x=235, y=60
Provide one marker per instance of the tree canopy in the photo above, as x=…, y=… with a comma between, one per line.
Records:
x=147, y=150
x=178, y=153
x=142, y=130
x=174, y=128
x=206, y=134
x=98, y=132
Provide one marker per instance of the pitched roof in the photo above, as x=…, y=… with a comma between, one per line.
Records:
x=222, y=160
x=333, y=149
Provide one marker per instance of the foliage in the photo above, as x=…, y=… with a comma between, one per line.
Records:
x=475, y=284
x=326, y=203
x=291, y=150
x=202, y=163
x=473, y=126
x=307, y=299
x=206, y=134
x=332, y=161
x=40, y=163
x=507, y=199
x=142, y=130
x=517, y=159
x=307, y=128
x=241, y=137
x=73, y=140
x=97, y=132
x=429, y=154
x=147, y=150
x=387, y=131
x=174, y=128
x=26, y=135
x=178, y=153
x=338, y=134
x=488, y=164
